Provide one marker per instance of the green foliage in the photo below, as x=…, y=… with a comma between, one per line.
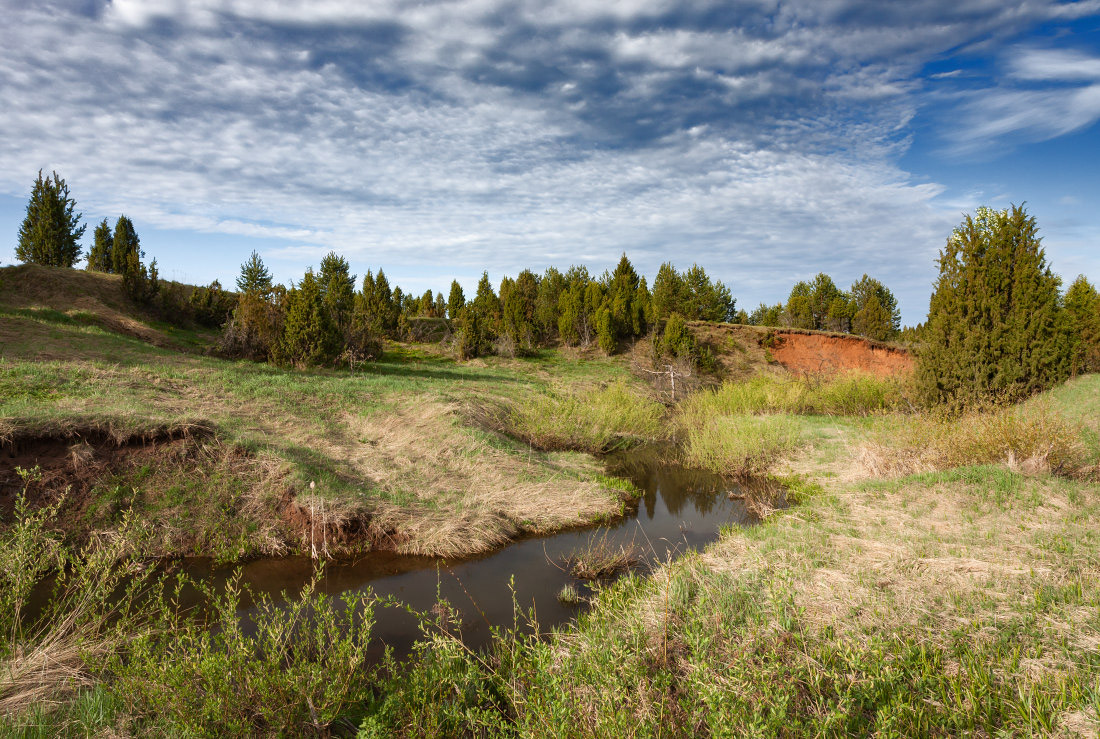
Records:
x=337, y=286
x=211, y=305
x=456, y=301
x=1082, y=305
x=592, y=420
x=551, y=286
x=875, y=310
x=693, y=295
x=310, y=336
x=517, y=299
x=126, y=251
x=852, y=394
x=284, y=669
x=99, y=258
x=994, y=325
x=254, y=279
x=766, y=315
x=51, y=231
x=255, y=327
x=740, y=445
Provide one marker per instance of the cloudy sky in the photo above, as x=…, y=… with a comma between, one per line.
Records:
x=766, y=141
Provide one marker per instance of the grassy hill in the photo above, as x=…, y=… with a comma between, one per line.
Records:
x=219, y=456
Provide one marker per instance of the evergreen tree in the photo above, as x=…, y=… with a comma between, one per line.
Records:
x=487, y=304
x=456, y=301
x=880, y=320
x=310, y=337
x=99, y=258
x=439, y=310
x=51, y=230
x=704, y=299
x=337, y=286
x=126, y=251
x=669, y=292
x=798, y=312
x=546, y=303
x=254, y=278
x=517, y=299
x=1082, y=306
x=994, y=324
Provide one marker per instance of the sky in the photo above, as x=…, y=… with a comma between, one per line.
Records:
x=766, y=141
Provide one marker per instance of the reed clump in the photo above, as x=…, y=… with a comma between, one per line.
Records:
x=740, y=446
x=601, y=559
x=850, y=394
x=592, y=420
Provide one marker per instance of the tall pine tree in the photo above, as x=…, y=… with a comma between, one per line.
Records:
x=51, y=230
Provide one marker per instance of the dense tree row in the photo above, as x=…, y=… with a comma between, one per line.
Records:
x=868, y=309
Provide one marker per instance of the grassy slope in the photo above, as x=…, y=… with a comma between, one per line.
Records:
x=393, y=442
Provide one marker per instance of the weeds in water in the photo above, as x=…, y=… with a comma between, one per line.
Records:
x=569, y=595
x=602, y=558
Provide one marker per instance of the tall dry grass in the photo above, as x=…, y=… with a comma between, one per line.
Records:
x=1032, y=439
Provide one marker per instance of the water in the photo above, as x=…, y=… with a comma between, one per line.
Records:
x=681, y=510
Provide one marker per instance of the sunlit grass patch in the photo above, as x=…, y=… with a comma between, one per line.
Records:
x=595, y=420
x=1035, y=438
x=740, y=445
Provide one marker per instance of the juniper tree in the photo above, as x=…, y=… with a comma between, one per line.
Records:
x=994, y=324
x=876, y=313
x=51, y=230
x=456, y=301
x=125, y=246
x=546, y=303
x=99, y=258
x=310, y=336
x=668, y=292
x=705, y=299
x=1082, y=307
x=337, y=286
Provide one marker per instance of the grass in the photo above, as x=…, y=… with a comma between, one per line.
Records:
x=600, y=559
x=392, y=444
x=594, y=420
x=847, y=395
x=741, y=445
x=955, y=602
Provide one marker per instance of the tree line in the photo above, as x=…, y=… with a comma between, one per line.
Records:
x=998, y=321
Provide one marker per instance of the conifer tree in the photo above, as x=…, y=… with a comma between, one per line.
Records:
x=1082, y=306
x=669, y=292
x=125, y=247
x=551, y=286
x=337, y=286
x=994, y=324
x=99, y=258
x=704, y=299
x=254, y=278
x=310, y=337
x=51, y=231
x=876, y=313
x=456, y=301
x=517, y=299
x=798, y=312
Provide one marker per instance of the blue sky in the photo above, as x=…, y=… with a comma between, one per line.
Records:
x=765, y=141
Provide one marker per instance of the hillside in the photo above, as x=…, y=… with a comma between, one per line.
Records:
x=744, y=351
x=85, y=298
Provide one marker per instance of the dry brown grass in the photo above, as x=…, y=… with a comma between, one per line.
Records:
x=1038, y=440
x=470, y=496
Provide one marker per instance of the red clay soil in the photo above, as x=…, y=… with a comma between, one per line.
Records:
x=819, y=353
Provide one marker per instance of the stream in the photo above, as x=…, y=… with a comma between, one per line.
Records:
x=681, y=510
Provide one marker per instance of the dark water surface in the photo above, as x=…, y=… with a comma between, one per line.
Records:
x=681, y=510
